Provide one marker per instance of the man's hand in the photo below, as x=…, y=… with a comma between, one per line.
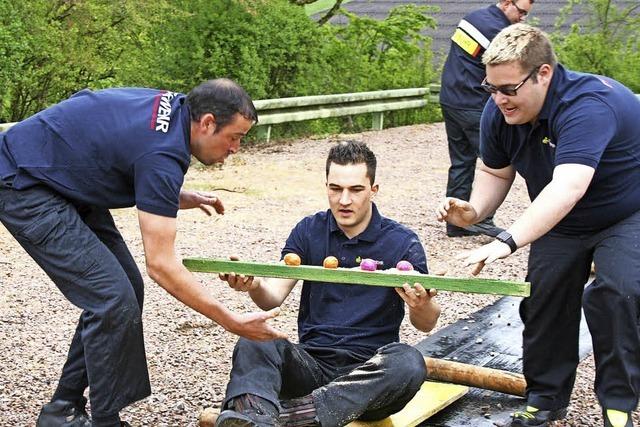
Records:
x=424, y=310
x=240, y=282
x=416, y=296
x=456, y=212
x=254, y=326
x=200, y=199
x=485, y=255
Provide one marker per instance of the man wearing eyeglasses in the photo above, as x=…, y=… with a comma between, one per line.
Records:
x=462, y=98
x=575, y=139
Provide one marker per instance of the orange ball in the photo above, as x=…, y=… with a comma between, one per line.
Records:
x=330, y=262
x=292, y=259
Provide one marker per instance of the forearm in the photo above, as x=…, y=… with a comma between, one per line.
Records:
x=271, y=292
x=553, y=203
x=173, y=277
x=424, y=318
x=489, y=191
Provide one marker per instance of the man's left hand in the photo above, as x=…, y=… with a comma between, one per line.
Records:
x=202, y=200
x=416, y=296
x=485, y=255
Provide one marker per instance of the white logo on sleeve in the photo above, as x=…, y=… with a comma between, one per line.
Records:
x=162, y=111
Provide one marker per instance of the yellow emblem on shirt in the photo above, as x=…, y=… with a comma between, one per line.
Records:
x=466, y=42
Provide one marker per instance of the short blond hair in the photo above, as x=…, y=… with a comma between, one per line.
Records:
x=522, y=43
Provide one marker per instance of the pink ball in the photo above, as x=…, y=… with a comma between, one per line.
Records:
x=368, y=264
x=404, y=266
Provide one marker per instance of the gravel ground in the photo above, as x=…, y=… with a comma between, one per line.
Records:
x=266, y=191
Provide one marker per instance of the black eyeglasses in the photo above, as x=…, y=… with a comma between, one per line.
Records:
x=522, y=12
x=509, y=90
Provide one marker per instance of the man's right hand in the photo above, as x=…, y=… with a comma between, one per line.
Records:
x=457, y=212
x=254, y=326
x=240, y=282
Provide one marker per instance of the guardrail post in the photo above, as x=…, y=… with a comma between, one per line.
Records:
x=263, y=133
x=378, y=120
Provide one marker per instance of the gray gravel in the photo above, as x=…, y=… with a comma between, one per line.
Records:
x=272, y=188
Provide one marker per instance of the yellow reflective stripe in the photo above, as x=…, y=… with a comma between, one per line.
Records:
x=466, y=43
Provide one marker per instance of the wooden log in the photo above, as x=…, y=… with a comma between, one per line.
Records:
x=476, y=376
x=358, y=277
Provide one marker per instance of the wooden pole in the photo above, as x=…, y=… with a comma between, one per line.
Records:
x=476, y=376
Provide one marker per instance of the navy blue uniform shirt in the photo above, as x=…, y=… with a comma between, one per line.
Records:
x=585, y=119
x=355, y=317
x=463, y=70
x=112, y=148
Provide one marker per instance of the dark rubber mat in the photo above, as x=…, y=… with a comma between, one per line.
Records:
x=490, y=337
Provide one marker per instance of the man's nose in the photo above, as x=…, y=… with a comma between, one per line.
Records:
x=345, y=197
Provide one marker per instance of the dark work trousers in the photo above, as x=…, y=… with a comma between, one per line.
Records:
x=463, y=137
x=559, y=267
x=344, y=387
x=83, y=253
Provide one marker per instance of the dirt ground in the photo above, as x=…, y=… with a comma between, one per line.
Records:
x=266, y=191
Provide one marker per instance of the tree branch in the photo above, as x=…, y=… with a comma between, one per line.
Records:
x=330, y=13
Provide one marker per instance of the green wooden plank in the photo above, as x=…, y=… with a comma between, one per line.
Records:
x=358, y=277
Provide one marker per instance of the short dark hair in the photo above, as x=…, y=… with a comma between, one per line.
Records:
x=223, y=98
x=353, y=152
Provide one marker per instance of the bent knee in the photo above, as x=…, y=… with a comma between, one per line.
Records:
x=405, y=362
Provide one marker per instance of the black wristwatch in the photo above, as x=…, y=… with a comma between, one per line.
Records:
x=507, y=238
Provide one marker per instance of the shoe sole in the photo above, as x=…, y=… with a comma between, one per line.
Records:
x=234, y=419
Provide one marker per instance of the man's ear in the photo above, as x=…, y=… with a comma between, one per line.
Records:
x=208, y=121
x=374, y=190
x=545, y=73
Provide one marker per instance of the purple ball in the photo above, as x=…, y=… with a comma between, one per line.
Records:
x=404, y=266
x=368, y=264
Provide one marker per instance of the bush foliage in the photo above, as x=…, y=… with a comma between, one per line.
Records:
x=50, y=49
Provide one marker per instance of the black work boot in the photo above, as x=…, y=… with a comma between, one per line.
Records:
x=613, y=418
x=299, y=412
x=63, y=413
x=249, y=410
x=534, y=417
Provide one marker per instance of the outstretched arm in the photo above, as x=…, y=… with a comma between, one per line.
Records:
x=555, y=201
x=490, y=187
x=267, y=293
x=158, y=237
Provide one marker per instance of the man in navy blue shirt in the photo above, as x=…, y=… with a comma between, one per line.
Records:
x=462, y=99
x=61, y=171
x=575, y=139
x=348, y=363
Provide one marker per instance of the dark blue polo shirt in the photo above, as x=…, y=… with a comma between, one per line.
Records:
x=463, y=70
x=585, y=119
x=112, y=148
x=355, y=317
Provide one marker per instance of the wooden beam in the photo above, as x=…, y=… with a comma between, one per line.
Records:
x=358, y=277
x=476, y=376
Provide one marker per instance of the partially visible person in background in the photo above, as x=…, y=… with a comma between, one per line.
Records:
x=462, y=99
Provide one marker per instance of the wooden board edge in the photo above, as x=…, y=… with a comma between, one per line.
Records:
x=431, y=398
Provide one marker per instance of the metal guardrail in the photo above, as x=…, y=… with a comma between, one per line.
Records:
x=285, y=110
